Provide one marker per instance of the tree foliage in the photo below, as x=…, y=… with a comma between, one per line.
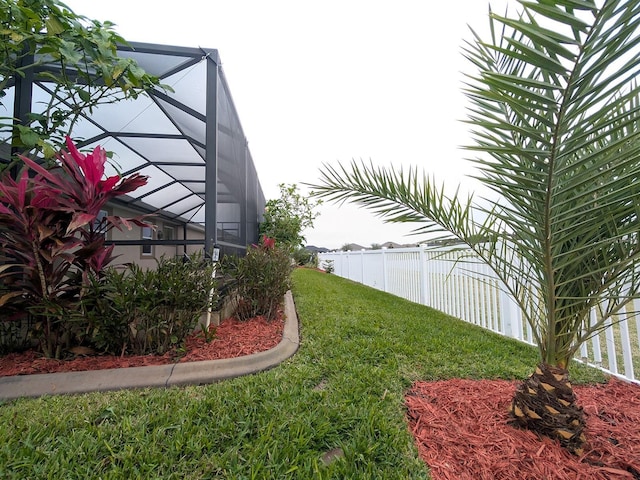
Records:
x=45, y=41
x=285, y=218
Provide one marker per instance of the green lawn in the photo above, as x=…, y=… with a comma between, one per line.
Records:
x=360, y=350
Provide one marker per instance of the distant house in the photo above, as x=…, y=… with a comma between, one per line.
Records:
x=353, y=247
x=313, y=248
x=391, y=245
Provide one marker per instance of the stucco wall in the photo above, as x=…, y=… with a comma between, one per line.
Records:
x=134, y=254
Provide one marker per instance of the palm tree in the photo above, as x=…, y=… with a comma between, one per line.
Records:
x=555, y=116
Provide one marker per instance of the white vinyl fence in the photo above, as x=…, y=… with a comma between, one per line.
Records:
x=454, y=281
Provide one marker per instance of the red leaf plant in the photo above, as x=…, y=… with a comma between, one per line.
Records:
x=52, y=239
x=266, y=243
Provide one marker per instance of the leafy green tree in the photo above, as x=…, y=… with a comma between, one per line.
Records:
x=43, y=40
x=555, y=115
x=287, y=217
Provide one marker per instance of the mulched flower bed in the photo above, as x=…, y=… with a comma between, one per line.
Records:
x=461, y=430
x=233, y=338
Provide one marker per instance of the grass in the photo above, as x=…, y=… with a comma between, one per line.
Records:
x=361, y=349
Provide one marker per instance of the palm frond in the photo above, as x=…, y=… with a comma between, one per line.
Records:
x=394, y=195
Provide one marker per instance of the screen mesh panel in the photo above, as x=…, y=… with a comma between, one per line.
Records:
x=167, y=136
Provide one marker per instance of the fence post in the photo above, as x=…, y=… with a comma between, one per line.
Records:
x=626, y=347
x=385, y=282
x=610, y=342
x=423, y=276
x=595, y=340
x=347, y=264
x=508, y=312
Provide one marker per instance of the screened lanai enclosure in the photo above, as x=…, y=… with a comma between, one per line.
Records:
x=203, y=189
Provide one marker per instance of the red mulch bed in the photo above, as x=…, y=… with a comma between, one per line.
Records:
x=233, y=338
x=461, y=431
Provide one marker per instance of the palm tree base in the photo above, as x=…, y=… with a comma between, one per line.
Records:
x=545, y=403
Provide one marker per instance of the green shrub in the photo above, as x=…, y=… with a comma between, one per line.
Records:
x=108, y=306
x=148, y=311
x=303, y=257
x=263, y=277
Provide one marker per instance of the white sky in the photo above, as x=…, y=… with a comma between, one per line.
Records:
x=326, y=81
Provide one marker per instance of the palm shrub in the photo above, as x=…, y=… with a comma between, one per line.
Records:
x=262, y=278
x=555, y=113
x=328, y=266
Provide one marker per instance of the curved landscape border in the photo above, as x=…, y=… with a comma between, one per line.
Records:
x=188, y=373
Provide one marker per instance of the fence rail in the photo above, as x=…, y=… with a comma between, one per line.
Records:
x=454, y=281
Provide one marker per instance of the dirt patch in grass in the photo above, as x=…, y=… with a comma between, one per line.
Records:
x=461, y=430
x=230, y=339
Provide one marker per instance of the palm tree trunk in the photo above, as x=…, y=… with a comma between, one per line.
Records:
x=545, y=403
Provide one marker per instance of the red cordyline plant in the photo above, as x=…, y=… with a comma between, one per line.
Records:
x=51, y=237
x=268, y=243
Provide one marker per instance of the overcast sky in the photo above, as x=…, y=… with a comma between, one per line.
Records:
x=325, y=81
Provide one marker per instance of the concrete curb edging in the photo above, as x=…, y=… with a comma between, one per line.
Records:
x=189, y=373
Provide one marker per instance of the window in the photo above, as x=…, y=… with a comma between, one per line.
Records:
x=167, y=233
x=100, y=224
x=147, y=234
